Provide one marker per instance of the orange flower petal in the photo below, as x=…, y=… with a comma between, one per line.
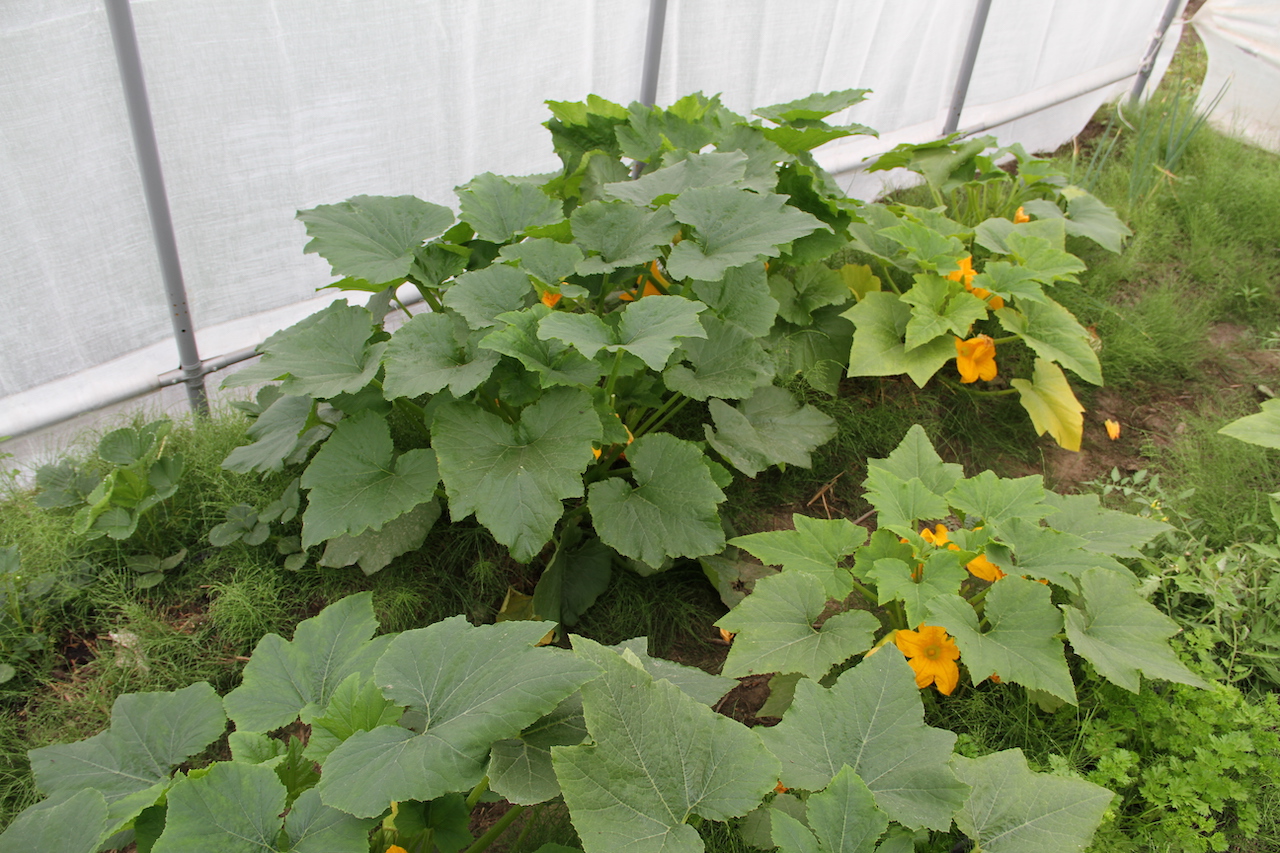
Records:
x=1020, y=217
x=965, y=274
x=932, y=656
x=983, y=568
x=976, y=358
x=1113, y=429
x=550, y=299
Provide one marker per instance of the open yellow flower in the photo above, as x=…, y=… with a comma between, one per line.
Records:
x=932, y=655
x=983, y=568
x=976, y=358
x=550, y=298
x=938, y=537
x=1020, y=217
x=965, y=274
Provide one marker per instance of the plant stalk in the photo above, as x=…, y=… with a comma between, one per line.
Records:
x=483, y=842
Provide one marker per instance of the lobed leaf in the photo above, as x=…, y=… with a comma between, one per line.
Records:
x=816, y=547
x=514, y=476
x=373, y=237
x=872, y=720
x=500, y=208
x=472, y=686
x=775, y=629
x=287, y=679
x=770, y=428
x=357, y=482
x=658, y=759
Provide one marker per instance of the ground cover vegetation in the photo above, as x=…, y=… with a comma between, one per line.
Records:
x=632, y=416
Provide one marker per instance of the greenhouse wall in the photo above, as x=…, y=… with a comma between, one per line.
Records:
x=264, y=107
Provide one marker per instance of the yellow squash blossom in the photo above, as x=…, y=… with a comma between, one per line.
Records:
x=396, y=848
x=938, y=537
x=550, y=298
x=965, y=274
x=932, y=655
x=647, y=287
x=983, y=568
x=976, y=358
x=1113, y=429
x=1020, y=217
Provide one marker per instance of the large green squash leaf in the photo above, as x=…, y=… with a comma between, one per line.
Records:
x=815, y=286
x=1012, y=810
x=878, y=348
x=130, y=762
x=775, y=629
x=995, y=500
x=713, y=169
x=1055, y=334
x=620, y=234
x=374, y=550
x=514, y=476
x=872, y=719
x=240, y=805
x=816, y=547
x=520, y=768
x=473, y=686
x=770, y=428
x=276, y=434
x=728, y=363
x=658, y=759
x=432, y=352
x=1121, y=633
x=325, y=355
x=68, y=823
x=287, y=679
x=743, y=297
x=1104, y=531
x=672, y=509
x=554, y=362
x=373, y=237
x=812, y=107
x=481, y=295
x=702, y=687
x=1262, y=428
x=357, y=482
x=844, y=817
x=649, y=328
x=733, y=227
x=1022, y=645
x=543, y=258
x=914, y=457
x=499, y=208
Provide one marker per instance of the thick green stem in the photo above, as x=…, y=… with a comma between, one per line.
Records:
x=613, y=375
x=477, y=792
x=868, y=595
x=670, y=413
x=1007, y=339
x=427, y=296
x=483, y=842
x=403, y=307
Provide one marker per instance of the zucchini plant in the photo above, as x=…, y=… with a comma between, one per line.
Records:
x=677, y=256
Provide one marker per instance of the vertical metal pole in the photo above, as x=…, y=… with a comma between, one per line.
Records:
x=966, y=66
x=125, y=39
x=653, y=52
x=1153, y=49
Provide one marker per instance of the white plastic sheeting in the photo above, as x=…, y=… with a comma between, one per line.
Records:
x=1243, y=42
x=263, y=107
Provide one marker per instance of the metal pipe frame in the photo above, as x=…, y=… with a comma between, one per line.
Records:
x=1153, y=49
x=967, y=61
x=125, y=40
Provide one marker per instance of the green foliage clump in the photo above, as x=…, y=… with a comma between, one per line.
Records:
x=1192, y=769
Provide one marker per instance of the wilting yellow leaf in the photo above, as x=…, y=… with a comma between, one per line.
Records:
x=1053, y=406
